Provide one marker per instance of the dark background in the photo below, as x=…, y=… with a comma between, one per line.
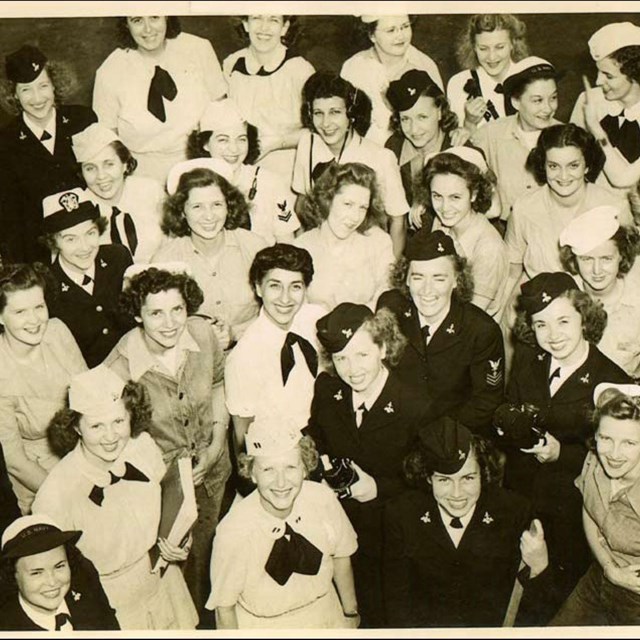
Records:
x=326, y=41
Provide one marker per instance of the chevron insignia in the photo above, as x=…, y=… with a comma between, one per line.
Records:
x=494, y=375
x=285, y=216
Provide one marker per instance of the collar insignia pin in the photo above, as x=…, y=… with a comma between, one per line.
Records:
x=487, y=519
x=426, y=518
x=338, y=396
x=389, y=408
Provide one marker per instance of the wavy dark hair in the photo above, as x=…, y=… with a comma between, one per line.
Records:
x=288, y=40
x=63, y=78
x=62, y=432
x=281, y=256
x=517, y=87
x=323, y=84
x=487, y=22
x=594, y=318
x=317, y=204
x=154, y=280
x=418, y=471
x=627, y=241
x=479, y=183
x=362, y=31
x=125, y=39
x=629, y=60
x=20, y=277
x=558, y=136
x=384, y=331
x=616, y=404
x=448, y=119
x=50, y=241
x=308, y=453
x=174, y=221
x=197, y=139
x=464, y=278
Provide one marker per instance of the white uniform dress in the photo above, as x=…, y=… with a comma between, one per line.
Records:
x=117, y=535
x=121, y=91
x=312, y=151
x=355, y=269
x=365, y=71
x=242, y=545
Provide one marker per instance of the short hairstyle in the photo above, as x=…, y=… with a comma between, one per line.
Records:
x=479, y=183
x=629, y=60
x=448, y=119
x=154, y=280
x=288, y=39
x=49, y=239
x=281, y=256
x=418, y=471
x=62, y=432
x=486, y=22
x=308, y=453
x=126, y=41
x=20, y=277
x=384, y=331
x=362, y=31
x=558, y=136
x=317, y=204
x=323, y=84
x=464, y=278
x=594, y=318
x=626, y=239
x=63, y=78
x=174, y=221
x=197, y=139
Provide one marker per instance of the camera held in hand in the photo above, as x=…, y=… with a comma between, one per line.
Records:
x=339, y=474
x=519, y=425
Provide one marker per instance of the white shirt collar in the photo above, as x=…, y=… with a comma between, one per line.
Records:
x=78, y=277
x=433, y=327
x=632, y=113
x=254, y=65
x=374, y=391
x=45, y=620
x=565, y=371
x=37, y=130
x=456, y=534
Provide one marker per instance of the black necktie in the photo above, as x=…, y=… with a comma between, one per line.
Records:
x=45, y=136
x=456, y=523
x=361, y=413
x=625, y=137
x=319, y=169
x=86, y=280
x=61, y=620
x=129, y=229
x=555, y=374
x=287, y=361
x=425, y=333
x=130, y=473
x=292, y=553
x=162, y=86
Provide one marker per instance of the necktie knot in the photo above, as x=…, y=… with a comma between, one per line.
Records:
x=456, y=523
x=162, y=87
x=287, y=359
x=45, y=136
x=426, y=333
x=131, y=473
x=554, y=375
x=129, y=230
x=86, y=280
x=361, y=412
x=292, y=553
x=61, y=620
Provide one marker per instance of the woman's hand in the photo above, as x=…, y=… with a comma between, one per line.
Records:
x=591, y=117
x=459, y=136
x=207, y=458
x=533, y=548
x=545, y=452
x=365, y=489
x=222, y=332
x=172, y=553
x=474, y=110
x=625, y=577
x=352, y=622
x=415, y=215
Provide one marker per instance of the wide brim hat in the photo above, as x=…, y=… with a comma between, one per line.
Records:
x=33, y=534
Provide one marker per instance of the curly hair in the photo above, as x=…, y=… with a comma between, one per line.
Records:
x=487, y=22
x=479, y=183
x=308, y=454
x=629, y=60
x=594, y=318
x=384, y=331
x=317, y=205
x=174, y=221
x=615, y=404
x=154, y=280
x=50, y=241
x=126, y=41
x=62, y=432
x=20, y=277
x=448, y=119
x=558, y=136
x=198, y=139
x=288, y=40
x=627, y=241
x=63, y=78
x=464, y=278
x=516, y=88
x=417, y=470
x=362, y=31
x=281, y=256
x=323, y=84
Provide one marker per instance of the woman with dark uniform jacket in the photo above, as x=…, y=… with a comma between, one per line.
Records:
x=453, y=544
x=88, y=275
x=556, y=376
x=366, y=414
x=455, y=349
x=8, y=504
x=38, y=143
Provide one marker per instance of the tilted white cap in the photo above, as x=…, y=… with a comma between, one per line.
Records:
x=271, y=436
x=469, y=154
x=88, y=143
x=95, y=391
x=612, y=37
x=222, y=114
x=590, y=229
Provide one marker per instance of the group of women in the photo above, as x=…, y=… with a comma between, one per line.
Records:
x=416, y=306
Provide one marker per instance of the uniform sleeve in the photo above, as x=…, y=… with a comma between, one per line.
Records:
x=457, y=96
x=52, y=501
x=8, y=504
x=282, y=201
x=69, y=346
x=218, y=360
x=106, y=103
x=384, y=260
x=301, y=183
x=515, y=236
x=394, y=198
x=344, y=538
x=10, y=436
x=490, y=269
x=215, y=82
x=314, y=428
x=86, y=581
x=238, y=384
x=487, y=381
x=577, y=115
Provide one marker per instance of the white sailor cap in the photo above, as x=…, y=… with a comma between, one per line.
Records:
x=612, y=37
x=271, y=436
x=590, y=229
x=95, y=391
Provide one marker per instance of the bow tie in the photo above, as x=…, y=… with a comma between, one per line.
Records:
x=292, y=553
x=319, y=169
x=130, y=473
x=287, y=360
x=456, y=523
x=162, y=86
x=61, y=620
x=129, y=230
x=625, y=137
x=45, y=136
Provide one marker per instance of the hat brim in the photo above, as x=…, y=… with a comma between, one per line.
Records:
x=19, y=548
